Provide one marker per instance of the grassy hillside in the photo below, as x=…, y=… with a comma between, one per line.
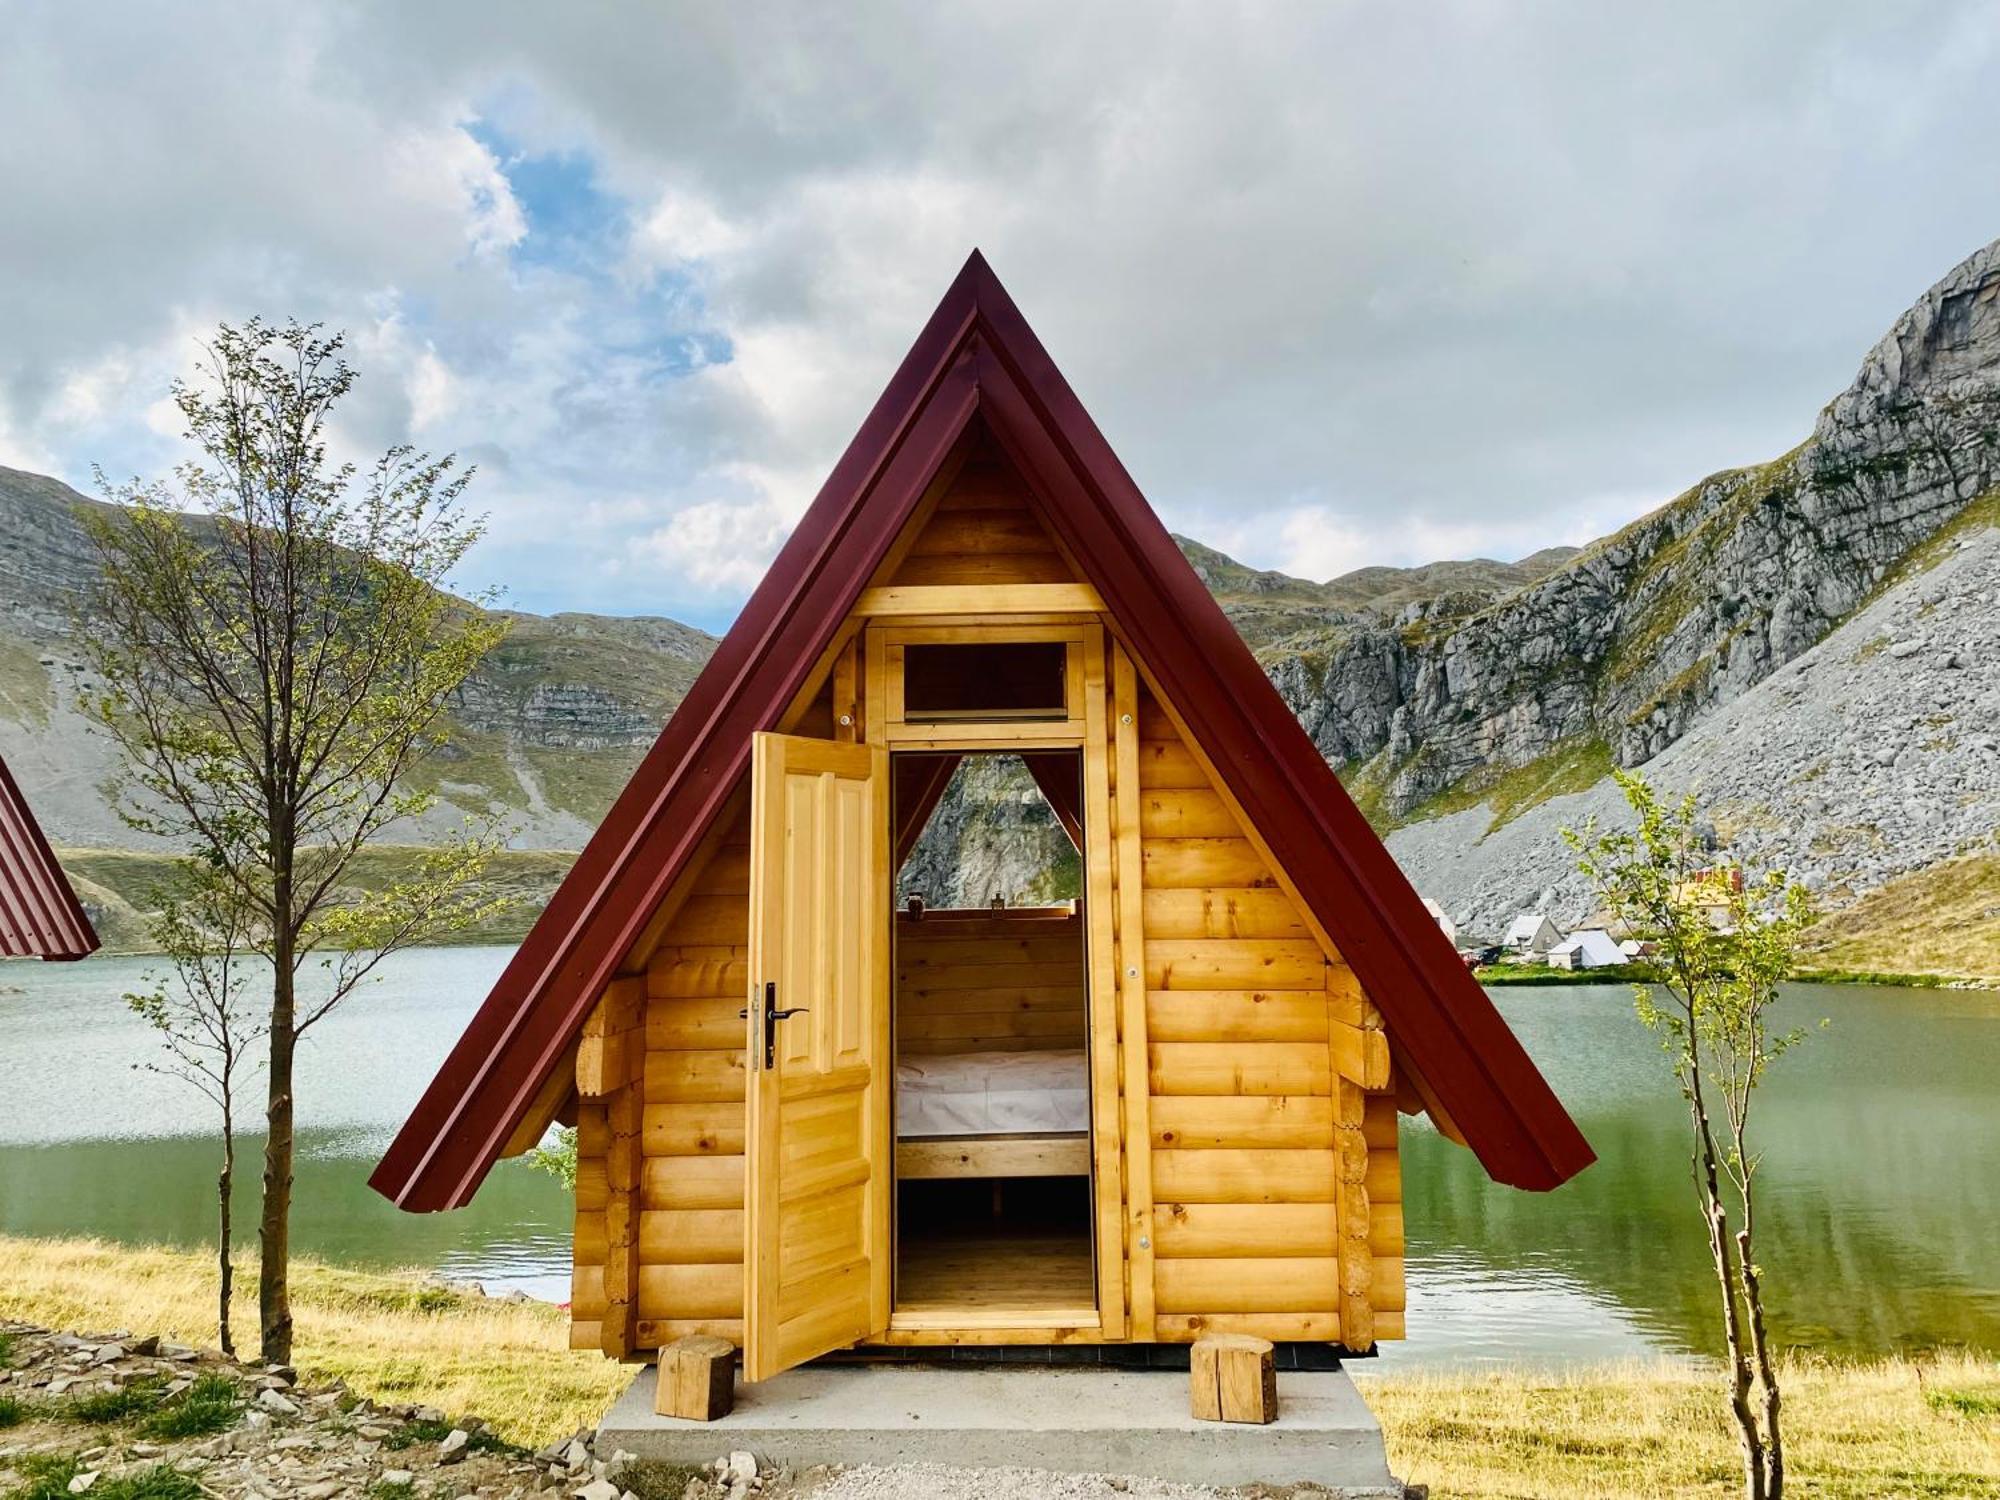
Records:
x=1644, y=1431
x=118, y=887
x=1943, y=920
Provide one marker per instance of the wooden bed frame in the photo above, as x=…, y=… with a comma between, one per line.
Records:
x=1047, y=1154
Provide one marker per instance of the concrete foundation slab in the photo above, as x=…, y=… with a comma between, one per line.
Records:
x=1088, y=1421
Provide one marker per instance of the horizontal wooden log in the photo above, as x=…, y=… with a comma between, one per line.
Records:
x=586, y=1292
x=1234, y=964
x=691, y=1236
x=695, y=1024
x=1389, y=1325
x=1379, y=1124
x=705, y=919
x=1238, y=1068
x=995, y=1156
x=593, y=1183
x=1362, y=1056
x=700, y=1291
x=1236, y=1016
x=1222, y=912
x=714, y=1076
x=1385, y=1177
x=674, y=1182
x=946, y=600
x=654, y=1333
x=713, y=978
x=914, y=1001
x=1179, y=864
x=694, y=1129
x=1067, y=1022
x=1226, y=1176
x=1034, y=975
x=918, y=952
x=1386, y=1291
x=1246, y=1122
x=1168, y=763
x=1207, y=1230
x=990, y=569
x=1185, y=813
x=588, y=1240
x=1385, y=1228
x=1287, y=1327
x=586, y=1334
x=1251, y=1285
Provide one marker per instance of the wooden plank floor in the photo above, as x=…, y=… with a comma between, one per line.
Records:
x=996, y=1273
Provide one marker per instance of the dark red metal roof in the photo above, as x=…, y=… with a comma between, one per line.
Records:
x=40, y=916
x=977, y=357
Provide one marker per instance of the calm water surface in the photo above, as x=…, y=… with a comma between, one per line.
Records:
x=1881, y=1220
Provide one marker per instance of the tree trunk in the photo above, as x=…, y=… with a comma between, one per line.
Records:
x=274, y=1229
x=225, y=1266
x=1708, y=1180
x=1767, y=1376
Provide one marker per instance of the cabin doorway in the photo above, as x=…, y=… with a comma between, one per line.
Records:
x=989, y=1009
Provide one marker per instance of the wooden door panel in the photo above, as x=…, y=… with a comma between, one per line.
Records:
x=817, y=1248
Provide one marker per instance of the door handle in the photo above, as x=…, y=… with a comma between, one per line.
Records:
x=772, y=1016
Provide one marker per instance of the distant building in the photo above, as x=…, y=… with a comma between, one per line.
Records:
x=1592, y=948
x=1710, y=892
x=1445, y=924
x=1532, y=935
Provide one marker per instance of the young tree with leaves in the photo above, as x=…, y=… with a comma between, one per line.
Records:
x=208, y=1021
x=1725, y=944
x=275, y=649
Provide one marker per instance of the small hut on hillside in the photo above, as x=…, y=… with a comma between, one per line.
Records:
x=1166, y=1105
x=40, y=916
x=1590, y=948
x=1531, y=935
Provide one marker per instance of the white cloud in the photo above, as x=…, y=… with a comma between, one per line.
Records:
x=1343, y=286
x=722, y=546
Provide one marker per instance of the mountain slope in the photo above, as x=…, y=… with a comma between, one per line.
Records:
x=1810, y=644
x=544, y=734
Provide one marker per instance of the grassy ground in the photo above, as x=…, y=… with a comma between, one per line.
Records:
x=388, y=1336
x=1896, y=1428
x=1944, y=920
x=1548, y=974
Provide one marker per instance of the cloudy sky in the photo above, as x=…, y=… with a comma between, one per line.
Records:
x=1344, y=284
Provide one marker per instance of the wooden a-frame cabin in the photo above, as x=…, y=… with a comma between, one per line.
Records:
x=806, y=1116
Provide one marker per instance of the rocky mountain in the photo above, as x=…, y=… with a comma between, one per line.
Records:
x=544, y=734
x=1809, y=643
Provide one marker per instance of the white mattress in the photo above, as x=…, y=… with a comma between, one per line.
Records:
x=993, y=1093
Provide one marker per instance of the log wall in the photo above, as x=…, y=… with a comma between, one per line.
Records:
x=979, y=982
x=1276, y=1195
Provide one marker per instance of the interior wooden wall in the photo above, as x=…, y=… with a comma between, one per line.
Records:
x=980, y=982
x=1277, y=1199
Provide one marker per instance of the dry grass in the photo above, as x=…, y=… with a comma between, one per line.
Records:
x=388, y=1336
x=1942, y=920
x=1894, y=1428
x=1649, y=1431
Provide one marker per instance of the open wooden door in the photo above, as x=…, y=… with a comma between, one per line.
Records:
x=818, y=1253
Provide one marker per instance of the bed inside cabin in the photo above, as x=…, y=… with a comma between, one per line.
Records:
x=992, y=1100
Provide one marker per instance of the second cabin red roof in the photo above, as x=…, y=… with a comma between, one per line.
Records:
x=977, y=357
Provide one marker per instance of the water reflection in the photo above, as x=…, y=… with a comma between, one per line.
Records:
x=1881, y=1214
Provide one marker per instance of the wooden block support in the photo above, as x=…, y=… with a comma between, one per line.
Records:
x=697, y=1378
x=1232, y=1378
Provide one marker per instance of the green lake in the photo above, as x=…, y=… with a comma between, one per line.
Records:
x=1880, y=1228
